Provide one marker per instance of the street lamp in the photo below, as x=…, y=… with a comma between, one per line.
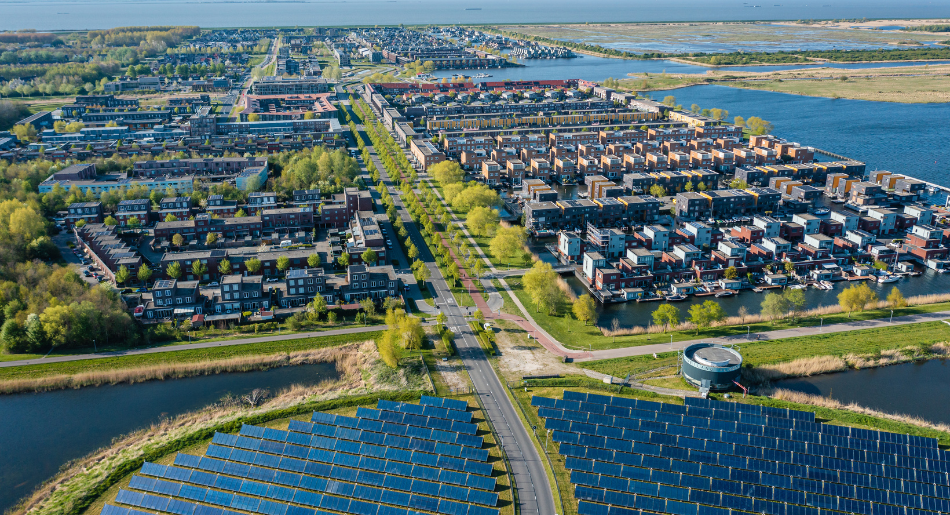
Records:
x=822, y=326
x=748, y=332
x=671, y=340
x=892, y=316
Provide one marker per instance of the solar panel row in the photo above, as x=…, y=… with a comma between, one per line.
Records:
x=592, y=398
x=418, y=420
x=396, y=443
x=855, y=432
x=674, y=468
x=704, y=442
x=399, y=428
x=431, y=469
x=428, y=411
x=804, y=432
x=442, y=402
x=373, y=437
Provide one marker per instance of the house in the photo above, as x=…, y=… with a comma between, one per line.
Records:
x=140, y=209
x=89, y=212
x=241, y=293
x=776, y=279
x=174, y=298
x=177, y=207
x=258, y=201
x=369, y=282
x=302, y=285
x=220, y=208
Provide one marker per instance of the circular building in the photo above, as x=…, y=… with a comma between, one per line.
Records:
x=716, y=364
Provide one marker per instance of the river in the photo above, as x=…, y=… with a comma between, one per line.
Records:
x=40, y=432
x=101, y=14
x=920, y=389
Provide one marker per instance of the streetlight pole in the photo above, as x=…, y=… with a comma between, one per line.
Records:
x=748, y=332
x=892, y=316
x=671, y=340
x=94, y=348
x=821, y=327
x=546, y=438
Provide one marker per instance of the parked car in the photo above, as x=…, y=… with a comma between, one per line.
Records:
x=213, y=283
x=141, y=290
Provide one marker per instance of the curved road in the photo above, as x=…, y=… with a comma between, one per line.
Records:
x=530, y=479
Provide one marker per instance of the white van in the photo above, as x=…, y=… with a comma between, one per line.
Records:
x=286, y=243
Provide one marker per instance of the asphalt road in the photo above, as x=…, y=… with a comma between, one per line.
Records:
x=534, y=490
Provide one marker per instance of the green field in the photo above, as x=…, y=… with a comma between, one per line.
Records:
x=909, y=90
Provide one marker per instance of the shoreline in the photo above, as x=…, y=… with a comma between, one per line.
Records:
x=683, y=60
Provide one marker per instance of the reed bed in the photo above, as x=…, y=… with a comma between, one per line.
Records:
x=814, y=365
x=165, y=371
x=825, y=402
x=356, y=364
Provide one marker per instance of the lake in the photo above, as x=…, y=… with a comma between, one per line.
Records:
x=100, y=14
x=42, y=431
x=921, y=389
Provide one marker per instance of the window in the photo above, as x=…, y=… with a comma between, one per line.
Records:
x=178, y=300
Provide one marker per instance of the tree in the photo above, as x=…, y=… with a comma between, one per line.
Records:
x=110, y=221
x=122, y=274
x=794, y=300
x=313, y=260
x=24, y=132
x=731, y=273
x=369, y=256
x=478, y=268
x=758, y=126
x=283, y=263
x=344, y=260
x=774, y=306
x=447, y=172
x=413, y=252
x=421, y=272
x=331, y=317
x=198, y=269
x=705, y=314
x=369, y=307
x=738, y=121
x=171, y=218
x=657, y=191
x=669, y=100
x=585, y=309
x=738, y=184
x=482, y=221
x=211, y=238
x=144, y=273
x=856, y=298
x=440, y=320
x=80, y=223
x=880, y=265
x=253, y=117
x=789, y=267
x=224, y=267
x=173, y=270
x=541, y=283
x=253, y=265
x=507, y=242
x=318, y=306
x=240, y=213
x=26, y=224
x=133, y=222
x=896, y=299
x=178, y=240
x=743, y=313
x=667, y=315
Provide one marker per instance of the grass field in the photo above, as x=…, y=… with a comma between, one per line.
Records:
x=864, y=342
x=905, y=89
x=184, y=356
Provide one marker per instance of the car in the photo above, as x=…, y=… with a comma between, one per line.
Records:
x=389, y=243
x=213, y=283
x=127, y=290
x=87, y=273
x=141, y=290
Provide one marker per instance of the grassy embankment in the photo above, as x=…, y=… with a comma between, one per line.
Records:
x=363, y=380
x=902, y=89
x=808, y=355
x=573, y=334
x=174, y=364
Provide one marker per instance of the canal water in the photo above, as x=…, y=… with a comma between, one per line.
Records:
x=921, y=389
x=630, y=314
x=40, y=432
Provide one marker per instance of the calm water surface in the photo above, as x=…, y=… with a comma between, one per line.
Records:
x=40, y=432
x=97, y=14
x=921, y=389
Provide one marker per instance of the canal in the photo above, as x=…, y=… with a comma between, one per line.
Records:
x=629, y=314
x=920, y=389
x=40, y=432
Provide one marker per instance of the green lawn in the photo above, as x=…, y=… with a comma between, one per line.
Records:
x=573, y=334
x=510, y=307
x=867, y=341
x=183, y=356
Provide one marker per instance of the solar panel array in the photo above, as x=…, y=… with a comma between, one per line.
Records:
x=397, y=459
x=628, y=457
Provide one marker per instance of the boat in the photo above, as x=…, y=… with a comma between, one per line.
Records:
x=675, y=298
x=757, y=290
x=838, y=201
x=822, y=211
x=797, y=287
x=827, y=285
x=724, y=293
x=888, y=278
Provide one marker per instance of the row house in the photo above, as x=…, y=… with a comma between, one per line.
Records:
x=307, y=198
x=140, y=209
x=261, y=200
x=218, y=207
x=198, y=229
x=514, y=171
x=88, y=212
x=301, y=286
x=491, y=173
x=174, y=298
x=178, y=207
x=240, y=293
